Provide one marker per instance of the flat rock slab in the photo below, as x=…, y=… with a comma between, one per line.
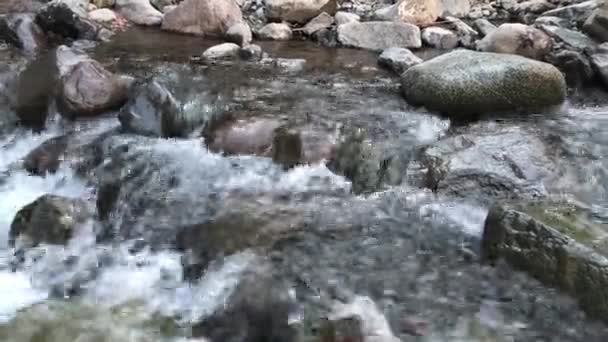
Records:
x=379, y=35
x=558, y=242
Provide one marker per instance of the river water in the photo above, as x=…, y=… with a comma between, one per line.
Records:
x=411, y=250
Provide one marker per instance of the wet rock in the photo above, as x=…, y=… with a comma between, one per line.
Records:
x=203, y=17
x=49, y=219
x=346, y=17
x=599, y=62
x=253, y=137
x=575, y=14
x=320, y=22
x=239, y=225
x=555, y=241
x=575, y=66
x=572, y=39
x=140, y=12
x=299, y=11
x=103, y=15
x=551, y=21
x=251, y=52
x=378, y=35
x=417, y=12
x=86, y=87
x=358, y=320
x=597, y=25
x=462, y=83
x=517, y=39
x=258, y=310
x=327, y=37
x=287, y=149
x=275, y=31
x=466, y=34
x=439, y=38
x=221, y=51
x=31, y=90
x=47, y=157
x=20, y=30
x=153, y=111
x=59, y=19
x=398, y=59
x=483, y=26
x=488, y=162
x=239, y=34
x=290, y=65
x=368, y=167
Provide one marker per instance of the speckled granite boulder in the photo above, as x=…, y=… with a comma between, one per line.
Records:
x=558, y=242
x=467, y=82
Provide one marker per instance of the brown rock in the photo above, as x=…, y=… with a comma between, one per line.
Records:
x=300, y=11
x=203, y=17
x=517, y=39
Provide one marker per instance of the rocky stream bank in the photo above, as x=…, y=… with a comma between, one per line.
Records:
x=303, y=170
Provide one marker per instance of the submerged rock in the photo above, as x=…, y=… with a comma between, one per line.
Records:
x=556, y=242
x=20, y=30
x=253, y=137
x=300, y=11
x=47, y=157
x=86, y=87
x=203, y=17
x=398, y=59
x=140, y=12
x=517, y=39
x=379, y=35
x=49, y=219
x=463, y=83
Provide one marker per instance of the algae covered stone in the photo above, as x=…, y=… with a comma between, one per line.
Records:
x=467, y=82
x=558, y=242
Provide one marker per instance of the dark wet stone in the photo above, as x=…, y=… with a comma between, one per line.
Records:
x=251, y=52
x=287, y=148
x=599, y=62
x=59, y=19
x=367, y=166
x=597, y=25
x=556, y=242
x=153, y=111
x=575, y=66
x=258, y=310
x=490, y=162
x=49, y=219
x=47, y=157
x=462, y=83
x=20, y=30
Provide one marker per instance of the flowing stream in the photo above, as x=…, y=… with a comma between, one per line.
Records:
x=411, y=250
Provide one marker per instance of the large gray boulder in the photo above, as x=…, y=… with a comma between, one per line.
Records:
x=557, y=242
x=379, y=35
x=203, y=17
x=300, y=11
x=518, y=39
x=85, y=87
x=49, y=219
x=140, y=12
x=467, y=82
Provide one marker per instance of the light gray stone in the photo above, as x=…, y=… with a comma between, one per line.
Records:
x=379, y=35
